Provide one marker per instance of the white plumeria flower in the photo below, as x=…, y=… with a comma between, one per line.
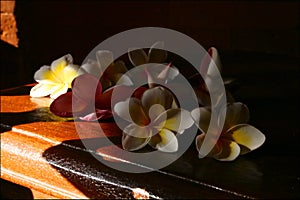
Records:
x=237, y=137
x=154, y=119
x=156, y=55
x=156, y=70
x=106, y=69
x=55, y=80
x=210, y=73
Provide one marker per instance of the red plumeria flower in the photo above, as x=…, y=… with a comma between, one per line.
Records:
x=87, y=100
x=210, y=69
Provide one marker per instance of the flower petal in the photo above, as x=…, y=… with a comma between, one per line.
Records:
x=157, y=95
x=62, y=106
x=124, y=80
x=247, y=136
x=230, y=150
x=105, y=58
x=137, y=57
x=86, y=87
x=155, y=111
x=135, y=137
x=106, y=83
x=60, y=89
x=176, y=120
x=90, y=67
x=122, y=110
x=42, y=90
x=45, y=75
x=202, y=118
x=137, y=112
x=237, y=113
x=132, y=111
x=120, y=79
x=210, y=63
x=203, y=96
x=58, y=65
x=156, y=53
x=168, y=141
x=138, y=93
x=168, y=73
x=99, y=114
x=108, y=99
x=215, y=150
x=224, y=150
x=115, y=68
x=69, y=73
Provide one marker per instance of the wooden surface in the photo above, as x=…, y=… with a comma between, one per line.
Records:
x=44, y=153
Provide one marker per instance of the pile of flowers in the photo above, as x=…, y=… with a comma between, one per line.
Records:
x=151, y=115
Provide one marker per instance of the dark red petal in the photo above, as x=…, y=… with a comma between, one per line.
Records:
x=62, y=105
x=100, y=114
x=139, y=92
x=86, y=87
x=112, y=96
x=206, y=60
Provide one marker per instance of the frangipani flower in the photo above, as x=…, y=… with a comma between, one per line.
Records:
x=55, y=80
x=237, y=137
x=156, y=55
x=87, y=100
x=210, y=69
x=154, y=119
x=156, y=71
x=105, y=67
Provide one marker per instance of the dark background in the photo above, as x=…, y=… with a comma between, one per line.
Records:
x=242, y=31
x=259, y=46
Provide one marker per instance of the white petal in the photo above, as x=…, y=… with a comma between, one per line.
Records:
x=158, y=45
x=237, y=113
x=70, y=72
x=168, y=73
x=135, y=137
x=155, y=111
x=168, y=143
x=215, y=62
x=216, y=150
x=132, y=111
x=130, y=143
x=157, y=95
x=173, y=72
x=211, y=64
x=125, y=80
x=137, y=112
x=117, y=67
x=137, y=131
x=176, y=120
x=122, y=110
x=247, y=136
x=45, y=75
x=91, y=67
x=201, y=117
x=137, y=57
x=104, y=58
x=156, y=53
x=42, y=90
x=223, y=150
x=58, y=65
x=61, y=89
x=229, y=151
